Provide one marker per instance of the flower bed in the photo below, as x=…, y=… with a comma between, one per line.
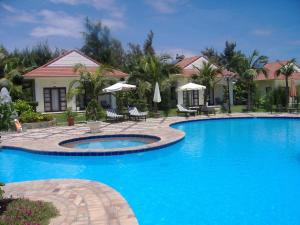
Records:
x=26, y=212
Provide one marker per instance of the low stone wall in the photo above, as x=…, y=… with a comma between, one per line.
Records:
x=42, y=124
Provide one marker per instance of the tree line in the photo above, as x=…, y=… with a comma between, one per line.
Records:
x=144, y=66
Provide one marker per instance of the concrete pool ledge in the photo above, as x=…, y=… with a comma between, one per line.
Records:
x=46, y=140
x=79, y=202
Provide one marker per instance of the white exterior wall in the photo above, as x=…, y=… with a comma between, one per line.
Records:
x=47, y=82
x=218, y=92
x=198, y=63
x=72, y=59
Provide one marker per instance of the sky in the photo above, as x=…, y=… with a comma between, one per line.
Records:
x=180, y=26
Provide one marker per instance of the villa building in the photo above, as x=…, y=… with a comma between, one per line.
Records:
x=189, y=67
x=265, y=84
x=51, y=82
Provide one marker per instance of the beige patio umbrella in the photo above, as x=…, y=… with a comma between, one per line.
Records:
x=156, y=97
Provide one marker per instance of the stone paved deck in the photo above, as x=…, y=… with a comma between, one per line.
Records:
x=48, y=139
x=80, y=202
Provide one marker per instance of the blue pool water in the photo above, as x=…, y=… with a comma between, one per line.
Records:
x=225, y=172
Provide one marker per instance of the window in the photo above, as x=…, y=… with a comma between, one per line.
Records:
x=185, y=95
x=195, y=98
x=55, y=99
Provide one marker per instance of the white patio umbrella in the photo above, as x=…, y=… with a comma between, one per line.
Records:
x=119, y=87
x=191, y=87
x=156, y=97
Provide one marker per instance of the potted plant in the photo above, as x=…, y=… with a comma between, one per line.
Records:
x=94, y=113
x=70, y=116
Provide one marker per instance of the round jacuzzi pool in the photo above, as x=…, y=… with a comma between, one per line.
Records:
x=109, y=141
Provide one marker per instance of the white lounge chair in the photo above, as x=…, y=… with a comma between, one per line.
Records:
x=187, y=112
x=111, y=114
x=135, y=114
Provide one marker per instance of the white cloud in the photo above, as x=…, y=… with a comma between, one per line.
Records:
x=174, y=51
x=113, y=24
x=114, y=12
x=18, y=15
x=166, y=6
x=57, y=24
x=110, y=6
x=8, y=8
x=261, y=32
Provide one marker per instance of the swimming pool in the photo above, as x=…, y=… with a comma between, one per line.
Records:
x=233, y=171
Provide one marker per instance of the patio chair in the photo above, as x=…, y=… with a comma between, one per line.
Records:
x=135, y=114
x=112, y=115
x=181, y=109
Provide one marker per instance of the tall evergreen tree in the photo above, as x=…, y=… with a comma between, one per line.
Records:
x=212, y=55
x=100, y=45
x=148, y=44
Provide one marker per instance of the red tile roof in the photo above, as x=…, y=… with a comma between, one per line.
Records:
x=190, y=72
x=187, y=61
x=271, y=72
x=67, y=71
x=62, y=71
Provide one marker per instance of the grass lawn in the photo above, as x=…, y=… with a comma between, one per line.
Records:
x=61, y=118
x=241, y=108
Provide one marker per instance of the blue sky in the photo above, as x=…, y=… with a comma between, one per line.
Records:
x=180, y=26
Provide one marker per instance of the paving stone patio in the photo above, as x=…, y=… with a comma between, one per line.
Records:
x=86, y=202
x=80, y=202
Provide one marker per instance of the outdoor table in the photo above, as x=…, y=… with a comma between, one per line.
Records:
x=198, y=108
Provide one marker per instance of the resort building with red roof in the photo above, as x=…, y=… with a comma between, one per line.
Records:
x=189, y=67
x=51, y=82
x=270, y=81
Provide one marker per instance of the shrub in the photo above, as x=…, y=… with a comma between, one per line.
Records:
x=24, y=211
x=47, y=117
x=7, y=114
x=22, y=106
x=94, y=111
x=1, y=191
x=31, y=117
x=69, y=113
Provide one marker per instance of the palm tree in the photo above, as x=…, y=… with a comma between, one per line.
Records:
x=90, y=85
x=287, y=71
x=248, y=70
x=207, y=76
x=148, y=71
